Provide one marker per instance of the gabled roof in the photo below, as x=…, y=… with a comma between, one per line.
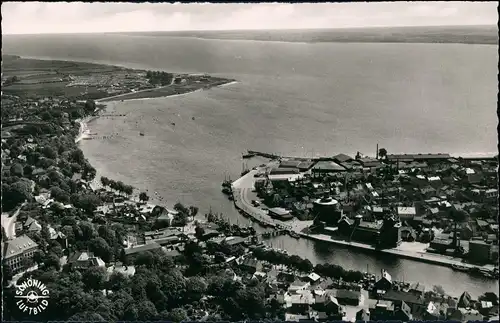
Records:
x=342, y=158
x=142, y=248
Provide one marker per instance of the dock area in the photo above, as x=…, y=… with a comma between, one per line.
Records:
x=242, y=193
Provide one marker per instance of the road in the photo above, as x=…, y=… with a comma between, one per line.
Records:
x=9, y=222
x=243, y=194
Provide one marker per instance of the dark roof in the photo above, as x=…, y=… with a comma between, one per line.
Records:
x=17, y=246
x=235, y=241
x=418, y=156
x=342, y=158
x=464, y=300
x=250, y=262
x=409, y=298
x=325, y=165
x=142, y=248
x=347, y=294
x=284, y=170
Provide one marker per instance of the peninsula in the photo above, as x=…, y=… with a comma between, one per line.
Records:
x=34, y=78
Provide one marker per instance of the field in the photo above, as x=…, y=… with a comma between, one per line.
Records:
x=169, y=90
x=81, y=81
x=42, y=78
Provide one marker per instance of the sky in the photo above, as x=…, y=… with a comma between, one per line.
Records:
x=80, y=17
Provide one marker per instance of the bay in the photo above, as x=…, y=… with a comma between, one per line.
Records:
x=293, y=99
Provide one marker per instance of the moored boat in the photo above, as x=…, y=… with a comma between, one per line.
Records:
x=460, y=268
x=294, y=234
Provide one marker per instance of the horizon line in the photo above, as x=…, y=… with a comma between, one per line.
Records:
x=264, y=29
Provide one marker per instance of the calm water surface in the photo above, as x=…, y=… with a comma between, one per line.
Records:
x=295, y=99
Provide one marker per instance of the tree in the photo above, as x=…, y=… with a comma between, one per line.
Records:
x=146, y=311
x=17, y=170
x=15, y=194
x=105, y=181
x=193, y=211
x=144, y=259
x=90, y=106
x=143, y=197
x=128, y=189
x=177, y=315
x=101, y=249
x=94, y=278
x=87, y=202
x=438, y=289
x=382, y=153
x=196, y=287
x=52, y=261
x=59, y=195
x=86, y=317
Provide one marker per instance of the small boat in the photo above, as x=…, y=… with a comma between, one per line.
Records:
x=173, y=123
x=226, y=190
x=226, y=183
x=192, y=118
x=230, y=197
x=141, y=134
x=294, y=234
x=460, y=268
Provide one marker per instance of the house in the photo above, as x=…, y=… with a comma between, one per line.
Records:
x=384, y=283
x=368, y=162
x=381, y=310
x=298, y=286
x=15, y=251
x=332, y=307
x=406, y=213
x=130, y=253
x=342, y=158
x=464, y=315
x=415, y=302
x=59, y=237
x=233, y=243
x=417, y=289
x=435, y=312
x=300, y=303
x=465, y=300
x=348, y=297
x=479, y=251
x=84, y=260
x=435, y=182
x=363, y=315
x=31, y=225
x=313, y=278
x=280, y=213
x=251, y=265
x=402, y=311
x=327, y=167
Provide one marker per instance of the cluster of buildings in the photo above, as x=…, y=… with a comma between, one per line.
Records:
x=115, y=83
x=431, y=198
